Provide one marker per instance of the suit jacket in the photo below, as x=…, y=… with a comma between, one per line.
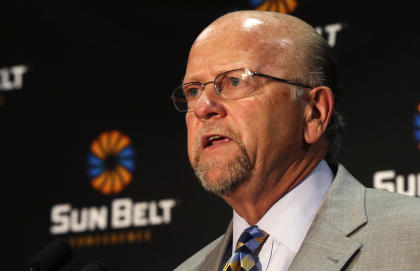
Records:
x=356, y=228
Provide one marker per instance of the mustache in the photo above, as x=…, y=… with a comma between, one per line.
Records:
x=218, y=130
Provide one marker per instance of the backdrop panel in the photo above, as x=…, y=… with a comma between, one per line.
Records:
x=105, y=164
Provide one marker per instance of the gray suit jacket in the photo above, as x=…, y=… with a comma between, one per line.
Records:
x=356, y=228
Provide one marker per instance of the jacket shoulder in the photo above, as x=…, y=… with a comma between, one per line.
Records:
x=195, y=260
x=391, y=236
x=380, y=203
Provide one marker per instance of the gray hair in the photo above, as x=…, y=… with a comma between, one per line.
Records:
x=318, y=69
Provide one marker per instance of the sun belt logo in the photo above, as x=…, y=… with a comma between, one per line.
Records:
x=111, y=165
x=416, y=123
x=393, y=182
x=283, y=6
x=111, y=162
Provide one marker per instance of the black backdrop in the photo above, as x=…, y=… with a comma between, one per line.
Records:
x=71, y=71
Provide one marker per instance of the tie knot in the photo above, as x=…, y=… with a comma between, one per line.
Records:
x=251, y=239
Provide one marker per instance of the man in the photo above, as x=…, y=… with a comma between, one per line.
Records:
x=259, y=100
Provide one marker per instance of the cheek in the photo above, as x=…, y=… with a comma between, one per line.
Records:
x=256, y=116
x=266, y=124
x=191, y=133
x=287, y=124
x=250, y=122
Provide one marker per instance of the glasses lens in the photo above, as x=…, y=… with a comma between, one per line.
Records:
x=180, y=102
x=235, y=84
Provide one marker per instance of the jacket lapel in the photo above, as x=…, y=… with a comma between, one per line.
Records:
x=213, y=260
x=328, y=245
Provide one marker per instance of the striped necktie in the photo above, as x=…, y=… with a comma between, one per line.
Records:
x=249, y=241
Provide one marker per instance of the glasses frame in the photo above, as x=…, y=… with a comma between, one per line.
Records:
x=217, y=88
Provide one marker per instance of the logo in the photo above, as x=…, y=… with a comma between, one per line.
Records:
x=111, y=162
x=393, y=182
x=416, y=123
x=12, y=78
x=110, y=167
x=283, y=6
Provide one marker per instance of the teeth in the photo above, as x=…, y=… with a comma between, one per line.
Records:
x=214, y=137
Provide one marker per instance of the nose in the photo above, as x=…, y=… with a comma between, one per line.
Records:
x=209, y=105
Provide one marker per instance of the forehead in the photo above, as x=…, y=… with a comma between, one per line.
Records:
x=248, y=43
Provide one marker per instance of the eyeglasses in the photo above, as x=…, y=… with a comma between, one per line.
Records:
x=230, y=85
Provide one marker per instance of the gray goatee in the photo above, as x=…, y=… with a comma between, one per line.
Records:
x=235, y=172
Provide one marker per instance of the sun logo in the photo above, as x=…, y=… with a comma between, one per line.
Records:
x=111, y=162
x=283, y=6
x=416, y=123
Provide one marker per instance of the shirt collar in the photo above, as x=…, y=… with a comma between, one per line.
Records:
x=289, y=219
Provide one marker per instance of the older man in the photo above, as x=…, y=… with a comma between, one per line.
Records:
x=259, y=94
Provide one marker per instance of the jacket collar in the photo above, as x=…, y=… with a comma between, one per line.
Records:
x=327, y=245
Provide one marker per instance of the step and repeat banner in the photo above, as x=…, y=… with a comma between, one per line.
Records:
x=104, y=162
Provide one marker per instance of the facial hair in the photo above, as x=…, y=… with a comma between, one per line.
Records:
x=236, y=171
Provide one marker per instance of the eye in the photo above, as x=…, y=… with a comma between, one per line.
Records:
x=192, y=92
x=234, y=81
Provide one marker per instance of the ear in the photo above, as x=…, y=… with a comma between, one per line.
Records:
x=318, y=112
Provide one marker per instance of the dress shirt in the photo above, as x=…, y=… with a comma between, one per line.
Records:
x=287, y=222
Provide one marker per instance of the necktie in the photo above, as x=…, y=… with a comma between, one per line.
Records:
x=249, y=241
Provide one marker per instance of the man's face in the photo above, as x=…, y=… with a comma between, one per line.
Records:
x=231, y=142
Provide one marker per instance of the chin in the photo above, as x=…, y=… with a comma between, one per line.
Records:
x=223, y=178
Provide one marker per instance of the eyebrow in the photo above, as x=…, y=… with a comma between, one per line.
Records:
x=222, y=68
x=183, y=82
x=193, y=78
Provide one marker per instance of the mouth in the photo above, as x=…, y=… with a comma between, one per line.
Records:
x=212, y=140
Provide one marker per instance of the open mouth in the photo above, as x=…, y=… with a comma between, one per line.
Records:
x=211, y=140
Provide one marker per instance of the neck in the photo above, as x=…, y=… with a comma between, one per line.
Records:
x=254, y=199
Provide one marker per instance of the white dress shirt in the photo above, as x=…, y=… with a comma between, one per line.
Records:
x=288, y=220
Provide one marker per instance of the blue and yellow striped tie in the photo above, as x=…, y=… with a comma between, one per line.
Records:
x=249, y=241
